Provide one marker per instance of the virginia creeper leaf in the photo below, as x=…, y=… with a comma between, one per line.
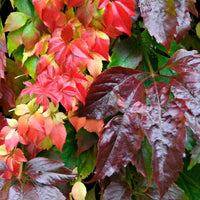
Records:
x=117, y=190
x=85, y=140
x=30, y=36
x=186, y=86
x=3, y=121
x=166, y=133
x=119, y=140
x=15, y=21
x=86, y=162
x=126, y=54
x=49, y=172
x=34, y=191
x=103, y=96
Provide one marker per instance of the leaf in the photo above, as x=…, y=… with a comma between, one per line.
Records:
x=117, y=190
x=14, y=40
x=195, y=158
x=25, y=7
x=174, y=192
x=3, y=167
x=49, y=172
x=198, y=29
x=34, y=191
x=183, y=19
x=91, y=194
x=108, y=92
x=186, y=86
x=142, y=160
x=6, y=93
x=184, y=61
x=3, y=121
x=189, y=182
x=30, y=66
x=79, y=191
x=119, y=141
x=86, y=162
x=70, y=148
x=15, y=21
x=126, y=54
x=85, y=140
x=160, y=20
x=30, y=36
x=166, y=133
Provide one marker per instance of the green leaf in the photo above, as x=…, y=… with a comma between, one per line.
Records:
x=14, y=40
x=189, y=182
x=70, y=147
x=126, y=54
x=86, y=162
x=30, y=65
x=15, y=21
x=30, y=36
x=91, y=194
x=25, y=6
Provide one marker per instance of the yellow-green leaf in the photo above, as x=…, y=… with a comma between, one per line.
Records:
x=15, y=21
x=198, y=29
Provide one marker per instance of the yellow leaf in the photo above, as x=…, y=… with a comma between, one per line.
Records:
x=198, y=29
x=79, y=191
x=21, y=109
x=12, y=123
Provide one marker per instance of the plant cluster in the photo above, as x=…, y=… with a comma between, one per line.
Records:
x=100, y=99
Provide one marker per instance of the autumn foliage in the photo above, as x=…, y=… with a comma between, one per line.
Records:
x=100, y=99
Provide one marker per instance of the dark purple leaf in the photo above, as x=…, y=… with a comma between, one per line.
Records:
x=119, y=140
x=160, y=20
x=3, y=167
x=184, y=61
x=85, y=140
x=49, y=172
x=162, y=90
x=4, y=188
x=142, y=160
x=108, y=93
x=117, y=190
x=30, y=191
x=186, y=86
x=166, y=133
x=174, y=193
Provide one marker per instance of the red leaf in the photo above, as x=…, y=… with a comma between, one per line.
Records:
x=56, y=132
x=73, y=3
x=166, y=133
x=3, y=121
x=117, y=190
x=6, y=93
x=49, y=172
x=160, y=20
x=79, y=48
x=67, y=33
